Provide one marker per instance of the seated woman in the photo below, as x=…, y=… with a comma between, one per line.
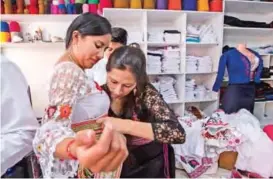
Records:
x=65, y=144
x=139, y=111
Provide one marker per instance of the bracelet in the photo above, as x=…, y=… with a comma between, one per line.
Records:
x=68, y=150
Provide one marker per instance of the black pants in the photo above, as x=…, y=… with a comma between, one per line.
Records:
x=239, y=96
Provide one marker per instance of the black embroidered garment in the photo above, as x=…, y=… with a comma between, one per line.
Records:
x=154, y=159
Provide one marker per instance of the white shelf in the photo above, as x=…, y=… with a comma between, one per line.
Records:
x=200, y=73
x=174, y=101
x=161, y=44
x=244, y=31
x=166, y=73
x=34, y=45
x=38, y=18
x=201, y=100
x=243, y=6
x=189, y=44
x=267, y=79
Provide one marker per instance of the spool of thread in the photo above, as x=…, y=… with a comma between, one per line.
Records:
x=149, y=4
x=4, y=26
x=5, y=32
x=104, y=4
x=41, y=6
x=190, y=5
x=15, y=32
x=61, y=9
x=93, y=1
x=85, y=8
x=79, y=1
x=54, y=9
x=93, y=8
x=72, y=1
x=202, y=5
x=121, y=3
x=216, y=5
x=2, y=7
x=20, y=6
x=135, y=4
x=162, y=4
x=8, y=6
x=61, y=2
x=33, y=9
x=78, y=8
x=174, y=5
x=71, y=9
x=33, y=2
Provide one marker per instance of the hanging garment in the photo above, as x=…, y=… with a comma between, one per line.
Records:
x=190, y=5
x=149, y=4
x=135, y=4
x=162, y=4
x=121, y=3
x=174, y=5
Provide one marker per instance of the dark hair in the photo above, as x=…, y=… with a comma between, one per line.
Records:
x=134, y=44
x=133, y=59
x=88, y=24
x=119, y=35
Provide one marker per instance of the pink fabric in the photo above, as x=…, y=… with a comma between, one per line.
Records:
x=269, y=131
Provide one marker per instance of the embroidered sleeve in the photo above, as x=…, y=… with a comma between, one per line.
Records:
x=66, y=85
x=165, y=125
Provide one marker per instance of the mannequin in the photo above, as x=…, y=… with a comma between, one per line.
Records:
x=244, y=68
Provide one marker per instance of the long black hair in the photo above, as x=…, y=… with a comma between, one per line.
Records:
x=131, y=58
x=88, y=24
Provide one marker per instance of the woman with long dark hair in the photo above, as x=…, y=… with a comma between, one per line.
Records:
x=139, y=111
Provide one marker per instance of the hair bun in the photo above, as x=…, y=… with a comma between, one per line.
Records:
x=134, y=44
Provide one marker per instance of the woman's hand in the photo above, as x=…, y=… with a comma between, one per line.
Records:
x=106, y=154
x=121, y=125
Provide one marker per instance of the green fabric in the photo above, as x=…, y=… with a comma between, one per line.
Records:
x=93, y=1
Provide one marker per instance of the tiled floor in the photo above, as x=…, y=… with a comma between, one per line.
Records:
x=221, y=173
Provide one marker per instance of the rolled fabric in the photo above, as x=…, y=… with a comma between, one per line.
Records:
x=15, y=32
x=79, y=1
x=190, y=5
x=135, y=4
x=41, y=6
x=174, y=5
x=85, y=8
x=33, y=8
x=8, y=6
x=61, y=9
x=93, y=8
x=54, y=7
x=72, y=1
x=149, y=4
x=202, y=5
x=162, y=4
x=216, y=5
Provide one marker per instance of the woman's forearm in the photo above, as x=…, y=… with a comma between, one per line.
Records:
x=138, y=129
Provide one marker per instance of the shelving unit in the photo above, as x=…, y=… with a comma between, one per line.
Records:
x=138, y=22
x=254, y=37
x=161, y=20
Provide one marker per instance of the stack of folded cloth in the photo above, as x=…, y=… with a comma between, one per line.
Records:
x=268, y=49
x=154, y=62
x=172, y=36
x=195, y=64
x=171, y=60
x=200, y=34
x=196, y=92
x=155, y=36
x=165, y=84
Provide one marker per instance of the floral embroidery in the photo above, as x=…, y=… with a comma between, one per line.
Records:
x=51, y=111
x=39, y=148
x=65, y=111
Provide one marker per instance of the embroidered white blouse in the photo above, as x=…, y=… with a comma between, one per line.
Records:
x=73, y=98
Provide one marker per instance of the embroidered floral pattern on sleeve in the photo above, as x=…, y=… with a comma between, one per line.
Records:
x=67, y=84
x=165, y=125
